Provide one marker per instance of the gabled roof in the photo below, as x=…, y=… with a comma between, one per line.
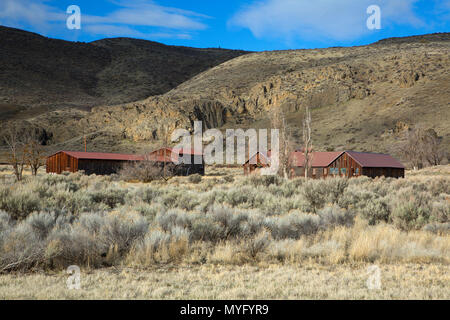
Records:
x=319, y=159
x=263, y=158
x=375, y=160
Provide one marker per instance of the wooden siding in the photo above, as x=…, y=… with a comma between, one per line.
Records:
x=344, y=166
x=61, y=162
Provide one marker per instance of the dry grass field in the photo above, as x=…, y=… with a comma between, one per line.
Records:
x=225, y=236
x=287, y=281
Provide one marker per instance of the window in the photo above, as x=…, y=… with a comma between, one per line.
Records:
x=343, y=170
x=356, y=171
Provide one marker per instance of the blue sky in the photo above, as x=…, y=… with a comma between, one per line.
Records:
x=251, y=25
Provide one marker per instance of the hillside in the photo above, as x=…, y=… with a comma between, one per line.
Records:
x=362, y=98
x=40, y=74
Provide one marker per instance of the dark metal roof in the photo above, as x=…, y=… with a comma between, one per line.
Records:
x=319, y=159
x=375, y=160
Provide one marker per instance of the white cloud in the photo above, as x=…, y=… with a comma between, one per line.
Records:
x=124, y=21
x=325, y=19
x=18, y=13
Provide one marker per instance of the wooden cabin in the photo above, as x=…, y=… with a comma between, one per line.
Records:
x=255, y=163
x=343, y=164
x=89, y=162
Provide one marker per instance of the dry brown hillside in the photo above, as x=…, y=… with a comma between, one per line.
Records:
x=362, y=98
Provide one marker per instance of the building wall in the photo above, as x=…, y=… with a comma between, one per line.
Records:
x=344, y=166
x=61, y=162
x=387, y=172
x=100, y=166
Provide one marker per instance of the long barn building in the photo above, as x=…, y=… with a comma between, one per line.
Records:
x=89, y=162
x=109, y=163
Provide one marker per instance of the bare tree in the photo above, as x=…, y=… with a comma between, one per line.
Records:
x=411, y=149
x=34, y=152
x=147, y=170
x=14, y=139
x=307, y=142
x=278, y=120
x=432, y=145
x=420, y=146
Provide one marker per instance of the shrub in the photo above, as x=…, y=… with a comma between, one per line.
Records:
x=314, y=195
x=120, y=232
x=22, y=249
x=438, y=228
x=175, y=198
x=265, y=180
x=439, y=186
x=256, y=245
x=195, y=178
x=228, y=178
x=376, y=210
x=174, y=218
x=440, y=211
x=409, y=215
x=20, y=203
x=145, y=171
x=292, y=226
x=41, y=224
x=110, y=197
x=335, y=216
x=297, y=224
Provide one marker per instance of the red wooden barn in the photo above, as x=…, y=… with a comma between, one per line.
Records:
x=108, y=163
